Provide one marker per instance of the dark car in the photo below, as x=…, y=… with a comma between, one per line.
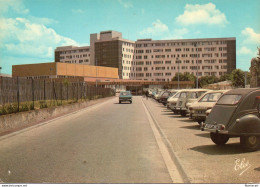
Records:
x=236, y=114
x=164, y=97
x=125, y=97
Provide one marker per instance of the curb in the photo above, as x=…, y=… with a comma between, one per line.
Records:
x=168, y=144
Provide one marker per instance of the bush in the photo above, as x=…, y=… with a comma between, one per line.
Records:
x=11, y=109
x=31, y=106
x=3, y=111
x=43, y=104
x=24, y=108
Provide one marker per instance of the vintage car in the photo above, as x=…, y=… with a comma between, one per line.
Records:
x=172, y=101
x=125, y=96
x=207, y=101
x=158, y=95
x=166, y=95
x=187, y=96
x=236, y=114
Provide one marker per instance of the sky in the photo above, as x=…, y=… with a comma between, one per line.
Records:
x=30, y=30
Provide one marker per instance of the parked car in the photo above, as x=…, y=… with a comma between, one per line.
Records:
x=158, y=95
x=188, y=96
x=164, y=97
x=237, y=114
x=172, y=101
x=125, y=96
x=198, y=109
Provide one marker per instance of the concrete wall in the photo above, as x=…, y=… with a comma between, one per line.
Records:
x=16, y=121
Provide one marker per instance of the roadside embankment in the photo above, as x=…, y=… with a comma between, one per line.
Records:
x=16, y=121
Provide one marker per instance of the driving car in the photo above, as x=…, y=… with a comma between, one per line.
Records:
x=188, y=96
x=125, y=96
x=236, y=114
x=207, y=101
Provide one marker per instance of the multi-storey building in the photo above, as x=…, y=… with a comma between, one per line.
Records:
x=157, y=60
x=73, y=55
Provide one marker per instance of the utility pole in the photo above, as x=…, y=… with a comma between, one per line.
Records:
x=197, y=79
x=178, y=72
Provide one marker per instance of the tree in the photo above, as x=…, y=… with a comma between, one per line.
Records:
x=226, y=77
x=184, y=77
x=205, y=80
x=238, y=78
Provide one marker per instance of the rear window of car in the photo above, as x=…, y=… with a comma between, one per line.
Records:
x=166, y=94
x=125, y=93
x=229, y=99
x=211, y=97
x=193, y=95
x=172, y=93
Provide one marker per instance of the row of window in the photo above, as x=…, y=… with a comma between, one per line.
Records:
x=209, y=55
x=181, y=44
x=75, y=51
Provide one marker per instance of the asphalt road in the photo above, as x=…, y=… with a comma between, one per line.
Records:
x=118, y=143
x=106, y=143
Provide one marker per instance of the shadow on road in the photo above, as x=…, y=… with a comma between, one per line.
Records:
x=228, y=149
x=257, y=169
x=188, y=121
x=121, y=103
x=194, y=127
x=204, y=135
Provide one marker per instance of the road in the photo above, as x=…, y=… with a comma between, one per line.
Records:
x=121, y=143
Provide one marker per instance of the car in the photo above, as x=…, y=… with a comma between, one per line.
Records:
x=236, y=114
x=188, y=96
x=207, y=101
x=164, y=97
x=158, y=95
x=172, y=101
x=125, y=96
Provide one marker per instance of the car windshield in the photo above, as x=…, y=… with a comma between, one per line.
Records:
x=172, y=93
x=166, y=94
x=124, y=93
x=229, y=99
x=193, y=95
x=183, y=95
x=211, y=97
x=177, y=95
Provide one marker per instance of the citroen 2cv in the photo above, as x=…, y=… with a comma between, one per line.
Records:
x=236, y=114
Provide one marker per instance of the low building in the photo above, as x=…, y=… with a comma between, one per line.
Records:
x=62, y=70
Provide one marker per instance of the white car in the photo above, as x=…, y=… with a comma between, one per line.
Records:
x=188, y=96
x=207, y=101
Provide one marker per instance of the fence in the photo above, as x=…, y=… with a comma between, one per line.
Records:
x=18, y=90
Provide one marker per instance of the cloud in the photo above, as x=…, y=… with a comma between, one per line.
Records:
x=15, y=5
x=78, y=11
x=251, y=36
x=44, y=21
x=125, y=4
x=244, y=51
x=202, y=14
x=177, y=34
x=157, y=29
x=20, y=36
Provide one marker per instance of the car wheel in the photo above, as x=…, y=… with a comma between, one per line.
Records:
x=119, y=102
x=250, y=143
x=219, y=139
x=183, y=113
x=130, y=102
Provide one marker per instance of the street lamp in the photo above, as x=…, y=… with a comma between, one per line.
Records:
x=197, y=79
x=178, y=72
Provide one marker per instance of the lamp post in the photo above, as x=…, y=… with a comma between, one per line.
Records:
x=178, y=72
x=197, y=74
x=96, y=72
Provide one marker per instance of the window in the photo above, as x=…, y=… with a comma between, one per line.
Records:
x=229, y=100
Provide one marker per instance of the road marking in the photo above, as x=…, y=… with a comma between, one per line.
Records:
x=172, y=168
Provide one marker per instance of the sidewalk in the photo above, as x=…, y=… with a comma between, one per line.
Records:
x=202, y=160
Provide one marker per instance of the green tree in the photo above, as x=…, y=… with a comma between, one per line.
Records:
x=238, y=78
x=205, y=80
x=184, y=77
x=226, y=77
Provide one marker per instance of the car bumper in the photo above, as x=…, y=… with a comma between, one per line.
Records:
x=122, y=100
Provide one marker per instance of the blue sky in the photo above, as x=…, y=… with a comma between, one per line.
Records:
x=30, y=30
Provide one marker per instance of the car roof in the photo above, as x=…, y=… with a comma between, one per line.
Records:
x=241, y=91
x=216, y=91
